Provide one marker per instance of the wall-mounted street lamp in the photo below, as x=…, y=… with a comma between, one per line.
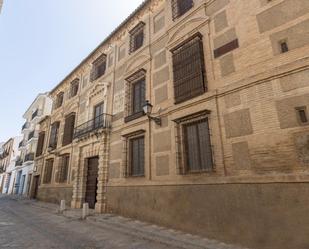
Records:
x=147, y=108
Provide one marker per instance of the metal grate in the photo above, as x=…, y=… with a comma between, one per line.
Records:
x=98, y=68
x=194, y=150
x=48, y=171
x=189, y=70
x=137, y=37
x=40, y=145
x=180, y=7
x=102, y=121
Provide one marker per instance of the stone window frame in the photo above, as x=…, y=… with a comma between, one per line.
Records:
x=181, y=166
x=99, y=67
x=59, y=100
x=299, y=110
x=126, y=162
x=74, y=87
x=129, y=83
x=137, y=32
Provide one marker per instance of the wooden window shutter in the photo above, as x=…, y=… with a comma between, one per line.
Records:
x=48, y=171
x=40, y=145
x=189, y=70
x=68, y=129
x=54, y=135
x=63, y=169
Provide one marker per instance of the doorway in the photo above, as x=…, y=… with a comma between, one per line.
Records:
x=92, y=181
x=36, y=181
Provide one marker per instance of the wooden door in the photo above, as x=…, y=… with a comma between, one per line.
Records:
x=92, y=182
x=36, y=181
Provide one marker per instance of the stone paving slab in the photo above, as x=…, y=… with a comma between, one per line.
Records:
x=137, y=228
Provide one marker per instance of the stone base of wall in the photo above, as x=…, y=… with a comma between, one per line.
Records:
x=259, y=216
x=55, y=194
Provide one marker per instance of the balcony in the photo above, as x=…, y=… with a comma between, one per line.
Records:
x=26, y=126
x=101, y=122
x=37, y=113
x=29, y=157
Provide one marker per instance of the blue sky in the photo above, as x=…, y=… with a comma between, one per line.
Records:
x=41, y=41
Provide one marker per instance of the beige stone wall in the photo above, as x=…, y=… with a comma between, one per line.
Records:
x=253, y=93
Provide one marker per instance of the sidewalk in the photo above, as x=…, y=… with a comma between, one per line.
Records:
x=134, y=228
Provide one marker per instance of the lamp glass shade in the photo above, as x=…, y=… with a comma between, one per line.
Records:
x=147, y=108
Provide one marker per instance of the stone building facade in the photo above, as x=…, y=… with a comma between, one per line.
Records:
x=224, y=152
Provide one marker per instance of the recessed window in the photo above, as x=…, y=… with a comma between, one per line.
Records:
x=137, y=156
x=180, y=7
x=54, y=135
x=302, y=115
x=74, y=88
x=63, y=169
x=284, y=46
x=136, y=88
x=194, y=144
x=189, y=70
x=68, y=129
x=48, y=171
x=98, y=68
x=137, y=37
x=59, y=100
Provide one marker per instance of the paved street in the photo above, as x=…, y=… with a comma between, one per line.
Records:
x=28, y=224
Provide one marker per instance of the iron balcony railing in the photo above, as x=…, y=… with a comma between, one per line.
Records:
x=29, y=157
x=26, y=125
x=101, y=122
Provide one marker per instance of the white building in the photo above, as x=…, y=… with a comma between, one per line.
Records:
x=9, y=155
x=1, y=3
x=40, y=107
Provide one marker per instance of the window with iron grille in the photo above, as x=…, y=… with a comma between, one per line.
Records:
x=194, y=149
x=137, y=37
x=74, y=88
x=54, y=135
x=39, y=149
x=48, y=171
x=136, y=95
x=180, y=7
x=189, y=70
x=59, y=100
x=63, y=168
x=68, y=129
x=98, y=68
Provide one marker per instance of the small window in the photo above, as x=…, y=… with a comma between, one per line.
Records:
x=48, y=171
x=98, y=68
x=74, y=88
x=137, y=37
x=180, y=7
x=284, y=46
x=137, y=156
x=302, y=115
x=59, y=100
